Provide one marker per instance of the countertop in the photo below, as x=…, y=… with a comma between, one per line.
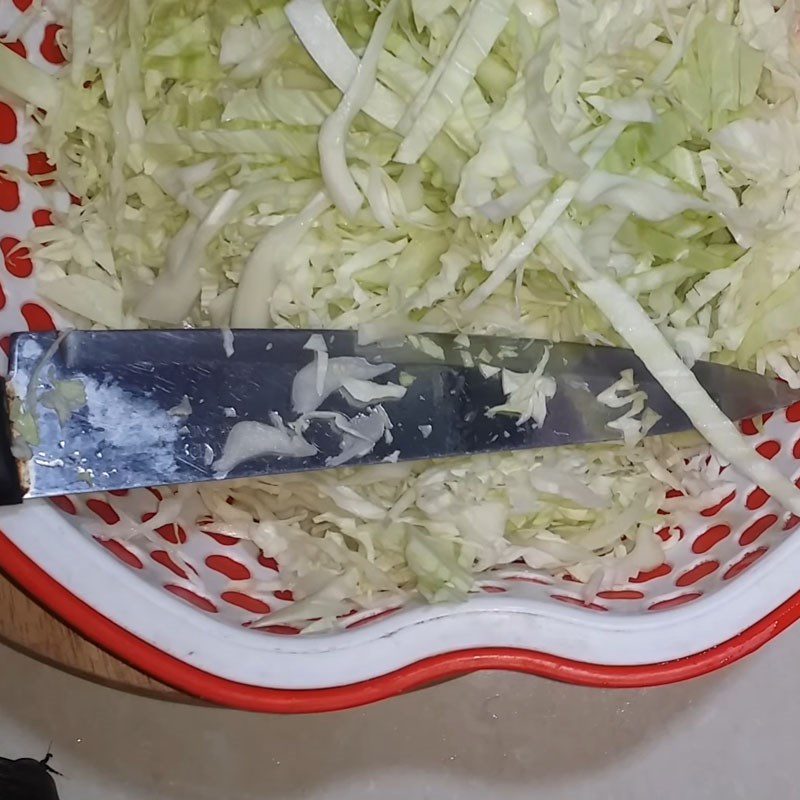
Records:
x=729, y=735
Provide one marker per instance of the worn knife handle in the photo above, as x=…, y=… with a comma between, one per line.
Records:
x=10, y=486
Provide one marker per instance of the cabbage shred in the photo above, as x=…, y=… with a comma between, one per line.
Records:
x=517, y=167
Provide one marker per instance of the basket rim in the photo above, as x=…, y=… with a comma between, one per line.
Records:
x=151, y=660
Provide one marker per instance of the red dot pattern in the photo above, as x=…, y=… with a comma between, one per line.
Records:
x=621, y=594
x=759, y=527
x=245, y=602
x=42, y=217
x=697, y=573
x=234, y=570
x=743, y=563
x=17, y=259
x=9, y=194
x=37, y=318
x=165, y=559
x=757, y=498
x=712, y=537
x=172, y=533
x=103, y=510
x=793, y=412
x=39, y=165
x=748, y=427
x=49, y=48
x=674, y=602
x=17, y=47
x=203, y=603
x=791, y=523
x=8, y=124
x=281, y=630
x=121, y=552
x=269, y=563
x=769, y=449
x=64, y=504
x=222, y=538
x=646, y=576
x=665, y=534
x=714, y=510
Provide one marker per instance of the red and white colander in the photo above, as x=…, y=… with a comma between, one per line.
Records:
x=173, y=608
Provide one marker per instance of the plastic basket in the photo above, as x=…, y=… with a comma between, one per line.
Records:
x=175, y=607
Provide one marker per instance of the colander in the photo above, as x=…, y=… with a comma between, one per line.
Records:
x=174, y=608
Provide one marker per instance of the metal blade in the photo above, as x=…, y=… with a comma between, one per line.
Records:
x=127, y=436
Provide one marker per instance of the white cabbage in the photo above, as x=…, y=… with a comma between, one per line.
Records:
x=248, y=440
x=599, y=171
x=526, y=393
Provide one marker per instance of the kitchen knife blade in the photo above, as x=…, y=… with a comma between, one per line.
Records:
x=136, y=429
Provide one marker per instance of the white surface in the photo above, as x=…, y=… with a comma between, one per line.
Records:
x=723, y=737
x=493, y=620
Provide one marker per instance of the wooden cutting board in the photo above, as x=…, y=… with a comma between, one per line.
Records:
x=27, y=627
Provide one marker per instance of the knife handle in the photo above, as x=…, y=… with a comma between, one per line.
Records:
x=11, y=492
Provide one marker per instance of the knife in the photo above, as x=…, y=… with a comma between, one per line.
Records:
x=157, y=407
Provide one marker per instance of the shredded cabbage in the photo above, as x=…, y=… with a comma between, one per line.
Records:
x=252, y=439
x=526, y=393
x=312, y=386
x=638, y=419
x=339, y=182
x=598, y=171
x=182, y=409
